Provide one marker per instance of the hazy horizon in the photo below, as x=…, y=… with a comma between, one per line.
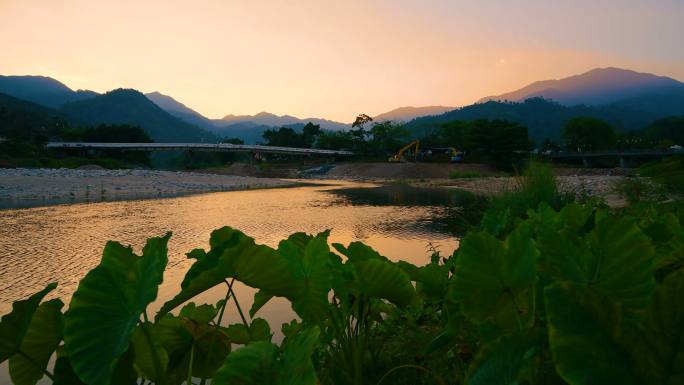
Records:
x=334, y=60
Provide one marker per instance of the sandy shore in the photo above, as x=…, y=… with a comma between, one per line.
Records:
x=36, y=187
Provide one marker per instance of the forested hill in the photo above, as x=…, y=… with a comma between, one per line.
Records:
x=545, y=118
x=41, y=90
x=23, y=119
x=126, y=106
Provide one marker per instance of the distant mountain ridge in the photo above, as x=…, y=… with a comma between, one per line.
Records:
x=600, y=86
x=545, y=118
x=127, y=106
x=405, y=114
x=269, y=119
x=41, y=90
x=179, y=110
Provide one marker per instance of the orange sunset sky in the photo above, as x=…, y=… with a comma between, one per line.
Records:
x=333, y=59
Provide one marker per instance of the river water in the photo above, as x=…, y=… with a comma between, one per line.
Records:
x=62, y=243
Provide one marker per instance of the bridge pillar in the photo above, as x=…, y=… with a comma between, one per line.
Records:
x=585, y=162
x=623, y=162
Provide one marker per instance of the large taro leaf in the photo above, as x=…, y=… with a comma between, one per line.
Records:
x=13, y=326
x=494, y=280
x=588, y=336
x=662, y=359
x=144, y=362
x=260, y=299
x=433, y=281
x=254, y=364
x=373, y=275
x=501, y=362
x=107, y=305
x=357, y=251
x=258, y=330
x=214, y=267
x=377, y=278
x=615, y=258
x=309, y=262
x=39, y=342
x=182, y=338
x=263, y=363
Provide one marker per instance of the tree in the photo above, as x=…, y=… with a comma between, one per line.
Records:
x=360, y=123
x=667, y=130
x=387, y=138
x=233, y=141
x=335, y=140
x=309, y=134
x=588, y=134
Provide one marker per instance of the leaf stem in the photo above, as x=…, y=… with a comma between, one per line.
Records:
x=155, y=357
x=192, y=359
x=37, y=365
x=237, y=304
x=225, y=302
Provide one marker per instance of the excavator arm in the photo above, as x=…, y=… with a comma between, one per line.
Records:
x=400, y=155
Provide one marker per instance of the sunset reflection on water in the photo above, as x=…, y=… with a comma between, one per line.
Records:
x=62, y=243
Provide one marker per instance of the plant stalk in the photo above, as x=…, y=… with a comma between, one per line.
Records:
x=237, y=304
x=155, y=358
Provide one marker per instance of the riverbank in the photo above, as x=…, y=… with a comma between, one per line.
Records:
x=22, y=187
x=601, y=186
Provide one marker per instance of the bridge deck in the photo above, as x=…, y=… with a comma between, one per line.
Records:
x=197, y=147
x=616, y=154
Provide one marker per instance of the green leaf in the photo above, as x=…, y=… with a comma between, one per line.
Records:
x=107, y=305
x=588, y=336
x=377, y=278
x=39, y=342
x=227, y=246
x=262, y=363
x=13, y=326
x=502, y=362
x=252, y=364
x=63, y=373
x=144, y=356
x=296, y=367
x=494, y=280
x=202, y=314
x=358, y=251
x=616, y=259
x=309, y=262
x=433, y=281
x=260, y=299
x=180, y=337
x=238, y=334
x=258, y=330
x=662, y=360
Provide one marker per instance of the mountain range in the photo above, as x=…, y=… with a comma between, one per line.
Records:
x=599, y=86
x=627, y=99
x=405, y=114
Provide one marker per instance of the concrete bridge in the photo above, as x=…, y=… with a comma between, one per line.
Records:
x=625, y=156
x=220, y=147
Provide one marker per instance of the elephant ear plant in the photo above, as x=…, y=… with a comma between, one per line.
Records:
x=576, y=295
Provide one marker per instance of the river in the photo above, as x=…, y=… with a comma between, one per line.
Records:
x=62, y=243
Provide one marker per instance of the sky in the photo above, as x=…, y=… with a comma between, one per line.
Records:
x=333, y=58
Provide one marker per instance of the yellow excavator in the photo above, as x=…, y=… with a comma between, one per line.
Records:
x=399, y=157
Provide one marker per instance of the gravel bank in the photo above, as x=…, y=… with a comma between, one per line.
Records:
x=602, y=186
x=23, y=187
